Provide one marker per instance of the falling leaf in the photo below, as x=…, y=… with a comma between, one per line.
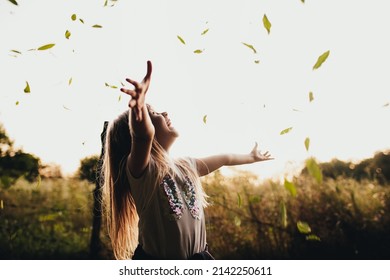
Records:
x=110, y=86
x=250, y=46
x=67, y=34
x=303, y=1
x=311, y=96
x=314, y=170
x=313, y=237
x=66, y=108
x=290, y=186
x=97, y=26
x=307, y=143
x=198, y=51
x=17, y=103
x=181, y=40
x=81, y=20
x=296, y=110
x=122, y=84
x=239, y=201
x=73, y=17
x=205, y=119
x=386, y=105
x=303, y=227
x=27, y=88
x=70, y=81
x=119, y=98
x=205, y=31
x=1, y=204
x=46, y=47
x=257, y=61
x=13, y=2
x=283, y=215
x=321, y=59
x=285, y=131
x=105, y=3
x=267, y=24
x=16, y=51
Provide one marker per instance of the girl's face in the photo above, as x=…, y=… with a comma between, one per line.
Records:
x=165, y=133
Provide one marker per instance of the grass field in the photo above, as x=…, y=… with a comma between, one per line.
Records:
x=336, y=219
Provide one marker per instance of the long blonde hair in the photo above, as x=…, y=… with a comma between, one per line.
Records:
x=119, y=205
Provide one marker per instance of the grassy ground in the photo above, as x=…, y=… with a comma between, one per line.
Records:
x=335, y=219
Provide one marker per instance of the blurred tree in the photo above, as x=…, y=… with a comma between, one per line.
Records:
x=88, y=168
x=15, y=163
x=50, y=170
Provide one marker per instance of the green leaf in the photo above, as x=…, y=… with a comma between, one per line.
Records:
x=283, y=214
x=198, y=51
x=13, y=2
x=70, y=81
x=27, y=88
x=205, y=31
x=97, y=26
x=67, y=34
x=314, y=170
x=46, y=47
x=205, y=119
x=73, y=17
x=250, y=46
x=181, y=40
x=290, y=186
x=17, y=103
x=311, y=96
x=307, y=143
x=303, y=227
x=81, y=20
x=267, y=24
x=111, y=86
x=16, y=51
x=313, y=237
x=321, y=59
x=303, y=1
x=257, y=61
x=285, y=131
x=239, y=200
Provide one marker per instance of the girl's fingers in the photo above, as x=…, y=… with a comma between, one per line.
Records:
x=130, y=92
x=149, y=71
x=132, y=103
x=134, y=83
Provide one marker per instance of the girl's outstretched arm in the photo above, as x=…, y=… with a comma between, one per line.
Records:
x=142, y=129
x=209, y=164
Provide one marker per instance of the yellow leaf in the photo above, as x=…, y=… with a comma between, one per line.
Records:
x=17, y=103
x=250, y=46
x=307, y=143
x=205, y=31
x=267, y=24
x=321, y=59
x=205, y=119
x=73, y=17
x=311, y=96
x=285, y=131
x=97, y=26
x=46, y=47
x=70, y=81
x=181, y=40
x=27, y=88
x=67, y=34
x=198, y=51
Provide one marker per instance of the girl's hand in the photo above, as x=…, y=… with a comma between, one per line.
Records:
x=137, y=101
x=258, y=156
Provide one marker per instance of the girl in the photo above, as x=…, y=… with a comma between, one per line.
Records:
x=155, y=203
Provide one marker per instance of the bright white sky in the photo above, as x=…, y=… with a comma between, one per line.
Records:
x=244, y=101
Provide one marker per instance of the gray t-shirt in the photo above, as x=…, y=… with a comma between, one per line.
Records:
x=171, y=218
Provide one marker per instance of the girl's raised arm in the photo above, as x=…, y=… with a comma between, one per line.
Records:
x=142, y=129
x=209, y=164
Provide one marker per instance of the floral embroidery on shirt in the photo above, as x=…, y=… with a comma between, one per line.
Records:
x=176, y=197
x=174, y=200
x=189, y=196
